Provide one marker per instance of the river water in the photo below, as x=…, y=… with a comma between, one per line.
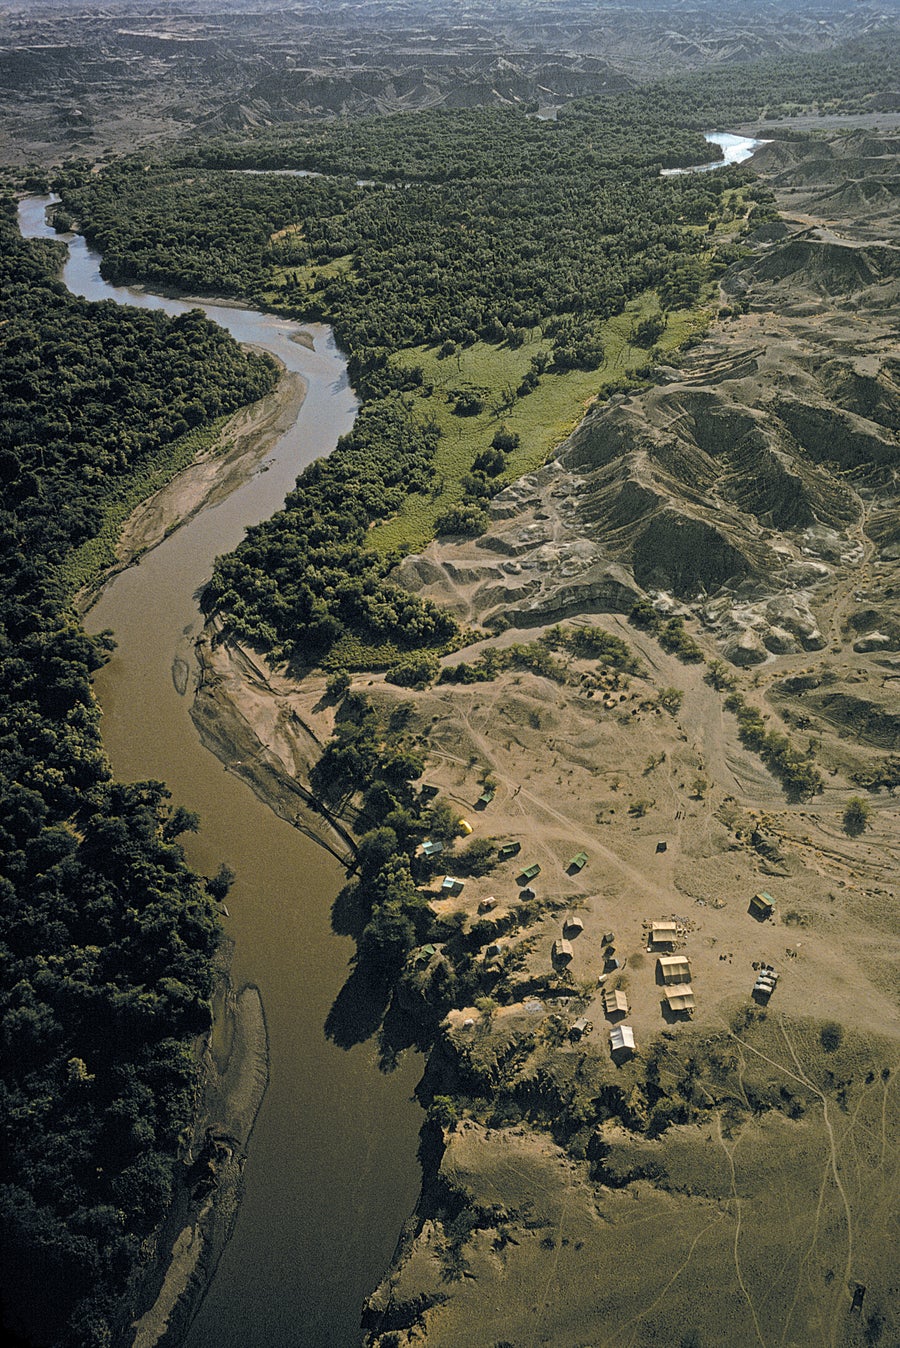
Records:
x=332, y=1172
x=735, y=149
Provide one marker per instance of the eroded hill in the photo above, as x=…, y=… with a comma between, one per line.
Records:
x=678, y=694
x=725, y=1172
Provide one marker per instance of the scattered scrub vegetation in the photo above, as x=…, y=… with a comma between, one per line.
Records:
x=795, y=770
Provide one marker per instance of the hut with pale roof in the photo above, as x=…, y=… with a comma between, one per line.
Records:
x=615, y=1002
x=674, y=969
x=680, y=998
x=621, y=1041
x=663, y=933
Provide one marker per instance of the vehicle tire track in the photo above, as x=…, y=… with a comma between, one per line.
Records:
x=737, y=1231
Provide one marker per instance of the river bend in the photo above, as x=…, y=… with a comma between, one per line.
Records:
x=331, y=1173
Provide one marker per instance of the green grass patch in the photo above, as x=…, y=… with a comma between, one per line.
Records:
x=88, y=562
x=351, y=653
x=290, y=283
x=542, y=419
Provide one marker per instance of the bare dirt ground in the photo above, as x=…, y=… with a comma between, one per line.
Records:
x=740, y=1168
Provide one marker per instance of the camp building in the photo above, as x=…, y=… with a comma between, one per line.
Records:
x=680, y=997
x=674, y=968
x=621, y=1039
x=615, y=1002
x=762, y=905
x=562, y=951
x=663, y=933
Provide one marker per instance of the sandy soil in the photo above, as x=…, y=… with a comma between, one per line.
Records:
x=594, y=762
x=245, y=441
x=259, y=724
x=233, y=1084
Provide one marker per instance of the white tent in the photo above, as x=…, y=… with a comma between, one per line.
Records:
x=621, y=1038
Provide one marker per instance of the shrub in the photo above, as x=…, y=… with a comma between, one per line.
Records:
x=856, y=816
x=719, y=676
x=443, y=1111
x=640, y=807
x=649, y=330
x=478, y=858
x=505, y=440
x=831, y=1036
x=490, y=461
x=643, y=614
x=467, y=403
x=442, y=822
x=337, y=684
x=414, y=671
x=593, y=643
x=670, y=699
x=462, y=519
x=674, y=638
x=218, y=886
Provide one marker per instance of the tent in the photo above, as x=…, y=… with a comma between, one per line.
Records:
x=663, y=933
x=562, y=951
x=615, y=1002
x=674, y=968
x=621, y=1039
x=762, y=906
x=681, y=997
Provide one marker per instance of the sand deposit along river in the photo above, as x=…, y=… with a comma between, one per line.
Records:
x=332, y=1171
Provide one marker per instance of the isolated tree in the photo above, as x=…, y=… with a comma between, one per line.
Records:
x=217, y=888
x=856, y=816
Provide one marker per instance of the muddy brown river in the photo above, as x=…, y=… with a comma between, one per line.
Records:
x=332, y=1171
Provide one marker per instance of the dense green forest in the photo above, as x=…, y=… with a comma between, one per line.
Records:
x=424, y=263
x=660, y=122
x=106, y=938
x=548, y=244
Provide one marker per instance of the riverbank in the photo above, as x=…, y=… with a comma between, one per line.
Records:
x=258, y=725
x=233, y=1077
x=241, y=447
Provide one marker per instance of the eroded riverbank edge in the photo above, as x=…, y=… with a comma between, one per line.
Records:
x=233, y=1073
x=246, y=715
x=233, y=1060
x=243, y=445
